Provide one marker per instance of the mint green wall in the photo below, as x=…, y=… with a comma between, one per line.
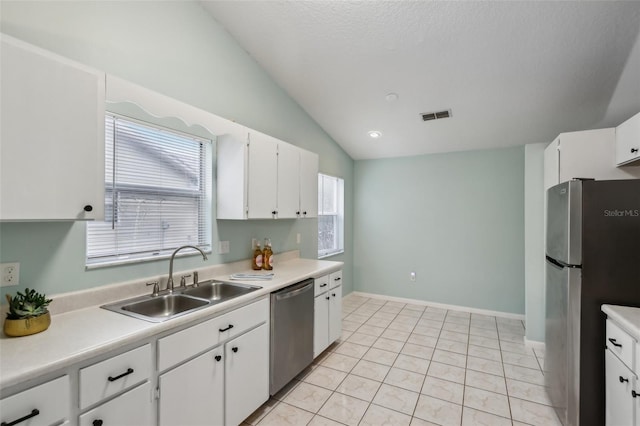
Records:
x=534, y=240
x=456, y=219
x=177, y=49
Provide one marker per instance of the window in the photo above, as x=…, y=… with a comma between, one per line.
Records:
x=330, y=215
x=157, y=194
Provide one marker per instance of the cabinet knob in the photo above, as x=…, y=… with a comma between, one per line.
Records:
x=218, y=358
x=297, y=213
x=328, y=298
x=234, y=349
x=304, y=213
x=274, y=212
x=635, y=394
x=333, y=294
x=634, y=150
x=97, y=422
x=88, y=208
x=622, y=379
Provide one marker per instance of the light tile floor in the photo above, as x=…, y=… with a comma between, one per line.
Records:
x=403, y=364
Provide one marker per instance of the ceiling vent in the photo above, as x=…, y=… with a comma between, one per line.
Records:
x=428, y=116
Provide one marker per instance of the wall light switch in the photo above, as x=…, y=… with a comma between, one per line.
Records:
x=9, y=274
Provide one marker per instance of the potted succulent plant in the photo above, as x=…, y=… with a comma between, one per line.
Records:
x=28, y=314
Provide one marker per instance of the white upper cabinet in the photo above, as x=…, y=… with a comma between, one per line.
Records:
x=261, y=177
x=628, y=141
x=308, y=184
x=587, y=154
x=52, y=136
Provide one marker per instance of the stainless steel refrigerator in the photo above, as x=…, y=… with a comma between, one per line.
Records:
x=592, y=257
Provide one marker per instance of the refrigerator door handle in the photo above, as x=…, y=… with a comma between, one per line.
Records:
x=560, y=264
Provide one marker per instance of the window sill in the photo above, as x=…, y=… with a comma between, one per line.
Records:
x=134, y=260
x=334, y=253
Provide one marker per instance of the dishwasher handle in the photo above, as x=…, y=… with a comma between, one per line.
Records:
x=294, y=290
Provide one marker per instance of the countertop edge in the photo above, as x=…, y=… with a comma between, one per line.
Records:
x=626, y=316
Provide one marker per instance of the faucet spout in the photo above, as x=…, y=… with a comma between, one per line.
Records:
x=173, y=255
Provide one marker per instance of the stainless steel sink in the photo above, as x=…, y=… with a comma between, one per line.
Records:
x=218, y=291
x=165, y=306
x=185, y=300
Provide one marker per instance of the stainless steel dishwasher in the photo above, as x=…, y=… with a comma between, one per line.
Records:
x=291, y=333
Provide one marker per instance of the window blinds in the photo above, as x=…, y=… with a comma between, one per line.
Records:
x=156, y=195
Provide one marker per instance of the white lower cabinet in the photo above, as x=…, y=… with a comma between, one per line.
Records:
x=226, y=383
x=193, y=393
x=247, y=374
x=619, y=383
x=44, y=404
x=622, y=385
x=132, y=408
x=327, y=324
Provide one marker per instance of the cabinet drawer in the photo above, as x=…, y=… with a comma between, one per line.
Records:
x=46, y=404
x=115, y=374
x=131, y=408
x=179, y=346
x=321, y=285
x=335, y=279
x=620, y=343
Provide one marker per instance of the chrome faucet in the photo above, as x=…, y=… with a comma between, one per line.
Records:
x=170, y=282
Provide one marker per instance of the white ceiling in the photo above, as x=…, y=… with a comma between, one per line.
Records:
x=511, y=72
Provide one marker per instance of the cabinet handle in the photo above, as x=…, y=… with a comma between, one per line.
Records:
x=622, y=379
x=88, y=208
x=634, y=150
x=323, y=285
x=218, y=358
x=614, y=343
x=126, y=373
x=635, y=394
x=97, y=422
x=337, y=279
x=33, y=413
x=234, y=349
x=222, y=330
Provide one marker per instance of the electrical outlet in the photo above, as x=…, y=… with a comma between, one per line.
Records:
x=412, y=276
x=298, y=238
x=9, y=274
x=223, y=247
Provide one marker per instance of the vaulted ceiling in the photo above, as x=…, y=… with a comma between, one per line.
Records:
x=511, y=73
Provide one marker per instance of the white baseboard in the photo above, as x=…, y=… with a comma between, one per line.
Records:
x=441, y=305
x=534, y=344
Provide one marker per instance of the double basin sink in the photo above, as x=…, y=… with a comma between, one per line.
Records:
x=181, y=302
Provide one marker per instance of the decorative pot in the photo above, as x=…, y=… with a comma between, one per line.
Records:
x=26, y=326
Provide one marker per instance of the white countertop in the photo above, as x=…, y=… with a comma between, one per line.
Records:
x=81, y=334
x=627, y=317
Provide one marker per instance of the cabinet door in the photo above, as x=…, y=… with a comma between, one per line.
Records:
x=308, y=184
x=321, y=323
x=628, y=140
x=43, y=404
x=132, y=408
x=335, y=313
x=262, y=176
x=247, y=374
x=193, y=393
x=618, y=385
x=288, y=181
x=52, y=151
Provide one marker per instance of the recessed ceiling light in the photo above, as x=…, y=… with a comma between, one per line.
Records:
x=375, y=134
x=391, y=97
